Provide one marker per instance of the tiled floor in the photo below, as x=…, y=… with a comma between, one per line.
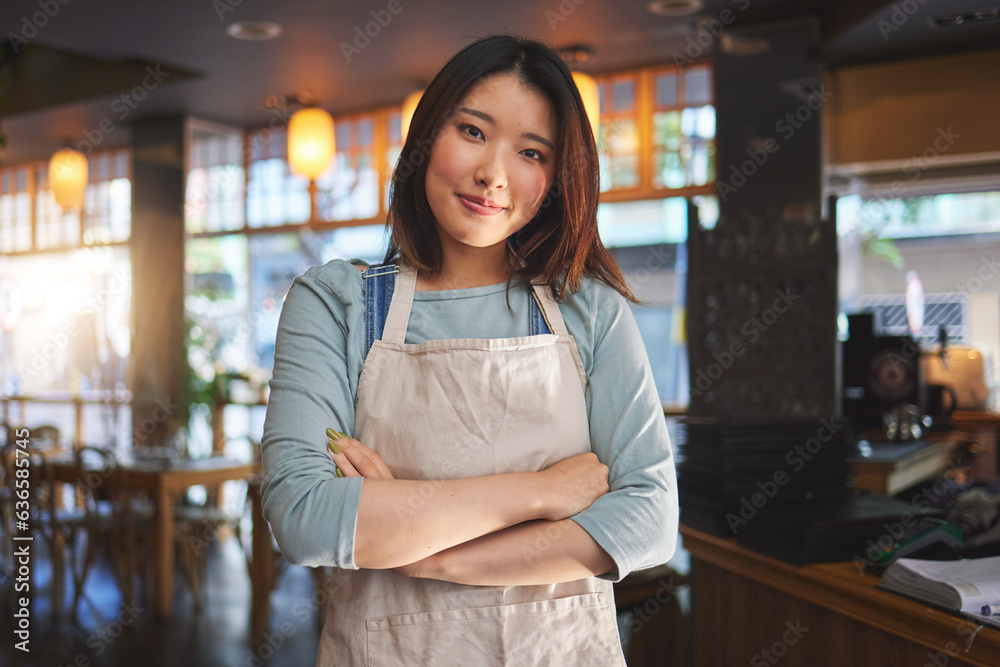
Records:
x=106, y=632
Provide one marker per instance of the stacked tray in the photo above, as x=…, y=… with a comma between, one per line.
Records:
x=733, y=471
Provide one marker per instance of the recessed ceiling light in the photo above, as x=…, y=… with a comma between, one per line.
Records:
x=254, y=31
x=674, y=7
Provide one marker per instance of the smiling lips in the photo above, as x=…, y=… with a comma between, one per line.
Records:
x=479, y=205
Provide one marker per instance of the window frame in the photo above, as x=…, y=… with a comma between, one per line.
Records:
x=33, y=189
x=644, y=109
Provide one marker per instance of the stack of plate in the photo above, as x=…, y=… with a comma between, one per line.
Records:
x=731, y=472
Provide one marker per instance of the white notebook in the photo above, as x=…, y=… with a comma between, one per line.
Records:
x=957, y=585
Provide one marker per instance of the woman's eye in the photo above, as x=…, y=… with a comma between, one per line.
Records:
x=533, y=154
x=471, y=130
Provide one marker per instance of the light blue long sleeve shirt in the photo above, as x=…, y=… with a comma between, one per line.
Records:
x=317, y=364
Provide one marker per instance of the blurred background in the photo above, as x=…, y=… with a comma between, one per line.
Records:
x=792, y=188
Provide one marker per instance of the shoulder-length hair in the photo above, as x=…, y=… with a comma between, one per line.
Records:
x=560, y=244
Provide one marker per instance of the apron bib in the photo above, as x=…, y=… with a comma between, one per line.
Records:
x=450, y=409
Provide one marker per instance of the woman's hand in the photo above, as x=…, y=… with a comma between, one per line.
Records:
x=354, y=459
x=574, y=484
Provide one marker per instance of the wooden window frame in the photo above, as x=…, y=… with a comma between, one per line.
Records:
x=31, y=189
x=644, y=109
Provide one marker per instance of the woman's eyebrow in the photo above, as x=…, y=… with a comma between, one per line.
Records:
x=489, y=119
x=542, y=140
x=478, y=114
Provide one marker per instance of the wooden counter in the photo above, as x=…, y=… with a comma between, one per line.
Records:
x=751, y=609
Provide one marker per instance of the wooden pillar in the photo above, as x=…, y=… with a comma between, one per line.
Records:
x=157, y=275
x=762, y=284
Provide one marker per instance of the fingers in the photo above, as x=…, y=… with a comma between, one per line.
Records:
x=367, y=462
x=355, y=459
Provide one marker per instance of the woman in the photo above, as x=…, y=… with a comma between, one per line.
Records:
x=510, y=457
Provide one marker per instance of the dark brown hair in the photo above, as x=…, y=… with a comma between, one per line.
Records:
x=560, y=244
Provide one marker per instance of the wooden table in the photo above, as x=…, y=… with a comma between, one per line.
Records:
x=745, y=603
x=164, y=483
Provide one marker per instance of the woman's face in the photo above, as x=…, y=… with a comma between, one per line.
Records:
x=492, y=163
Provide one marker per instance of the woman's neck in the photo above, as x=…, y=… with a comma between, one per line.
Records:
x=465, y=267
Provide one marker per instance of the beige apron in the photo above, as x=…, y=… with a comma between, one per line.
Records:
x=450, y=409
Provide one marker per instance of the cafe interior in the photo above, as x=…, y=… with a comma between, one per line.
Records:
x=804, y=195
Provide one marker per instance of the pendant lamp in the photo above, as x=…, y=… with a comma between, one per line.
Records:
x=311, y=146
x=68, y=178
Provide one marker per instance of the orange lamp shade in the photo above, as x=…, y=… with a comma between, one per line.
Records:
x=311, y=142
x=406, y=115
x=591, y=99
x=68, y=178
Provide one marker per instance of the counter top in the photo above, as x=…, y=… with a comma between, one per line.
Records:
x=846, y=590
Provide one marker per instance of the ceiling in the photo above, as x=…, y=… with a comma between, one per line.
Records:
x=65, y=73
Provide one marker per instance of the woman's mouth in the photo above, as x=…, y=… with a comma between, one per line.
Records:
x=479, y=206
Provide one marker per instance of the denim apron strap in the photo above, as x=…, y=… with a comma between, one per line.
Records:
x=536, y=320
x=379, y=283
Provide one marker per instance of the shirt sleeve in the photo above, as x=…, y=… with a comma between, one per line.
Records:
x=636, y=522
x=312, y=512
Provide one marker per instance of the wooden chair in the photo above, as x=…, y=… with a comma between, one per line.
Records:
x=56, y=524
x=7, y=562
x=120, y=523
x=45, y=437
x=197, y=527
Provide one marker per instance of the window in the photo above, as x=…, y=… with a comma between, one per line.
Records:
x=108, y=206
x=949, y=214
x=950, y=311
x=648, y=239
x=214, y=183
x=657, y=135
x=683, y=132
x=71, y=275
x=948, y=239
x=15, y=210
x=618, y=143
x=74, y=329
x=31, y=220
x=351, y=185
x=275, y=197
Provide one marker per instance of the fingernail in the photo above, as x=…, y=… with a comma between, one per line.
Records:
x=344, y=435
x=333, y=435
x=340, y=473
x=333, y=447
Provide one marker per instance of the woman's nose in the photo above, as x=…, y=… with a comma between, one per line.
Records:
x=491, y=173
